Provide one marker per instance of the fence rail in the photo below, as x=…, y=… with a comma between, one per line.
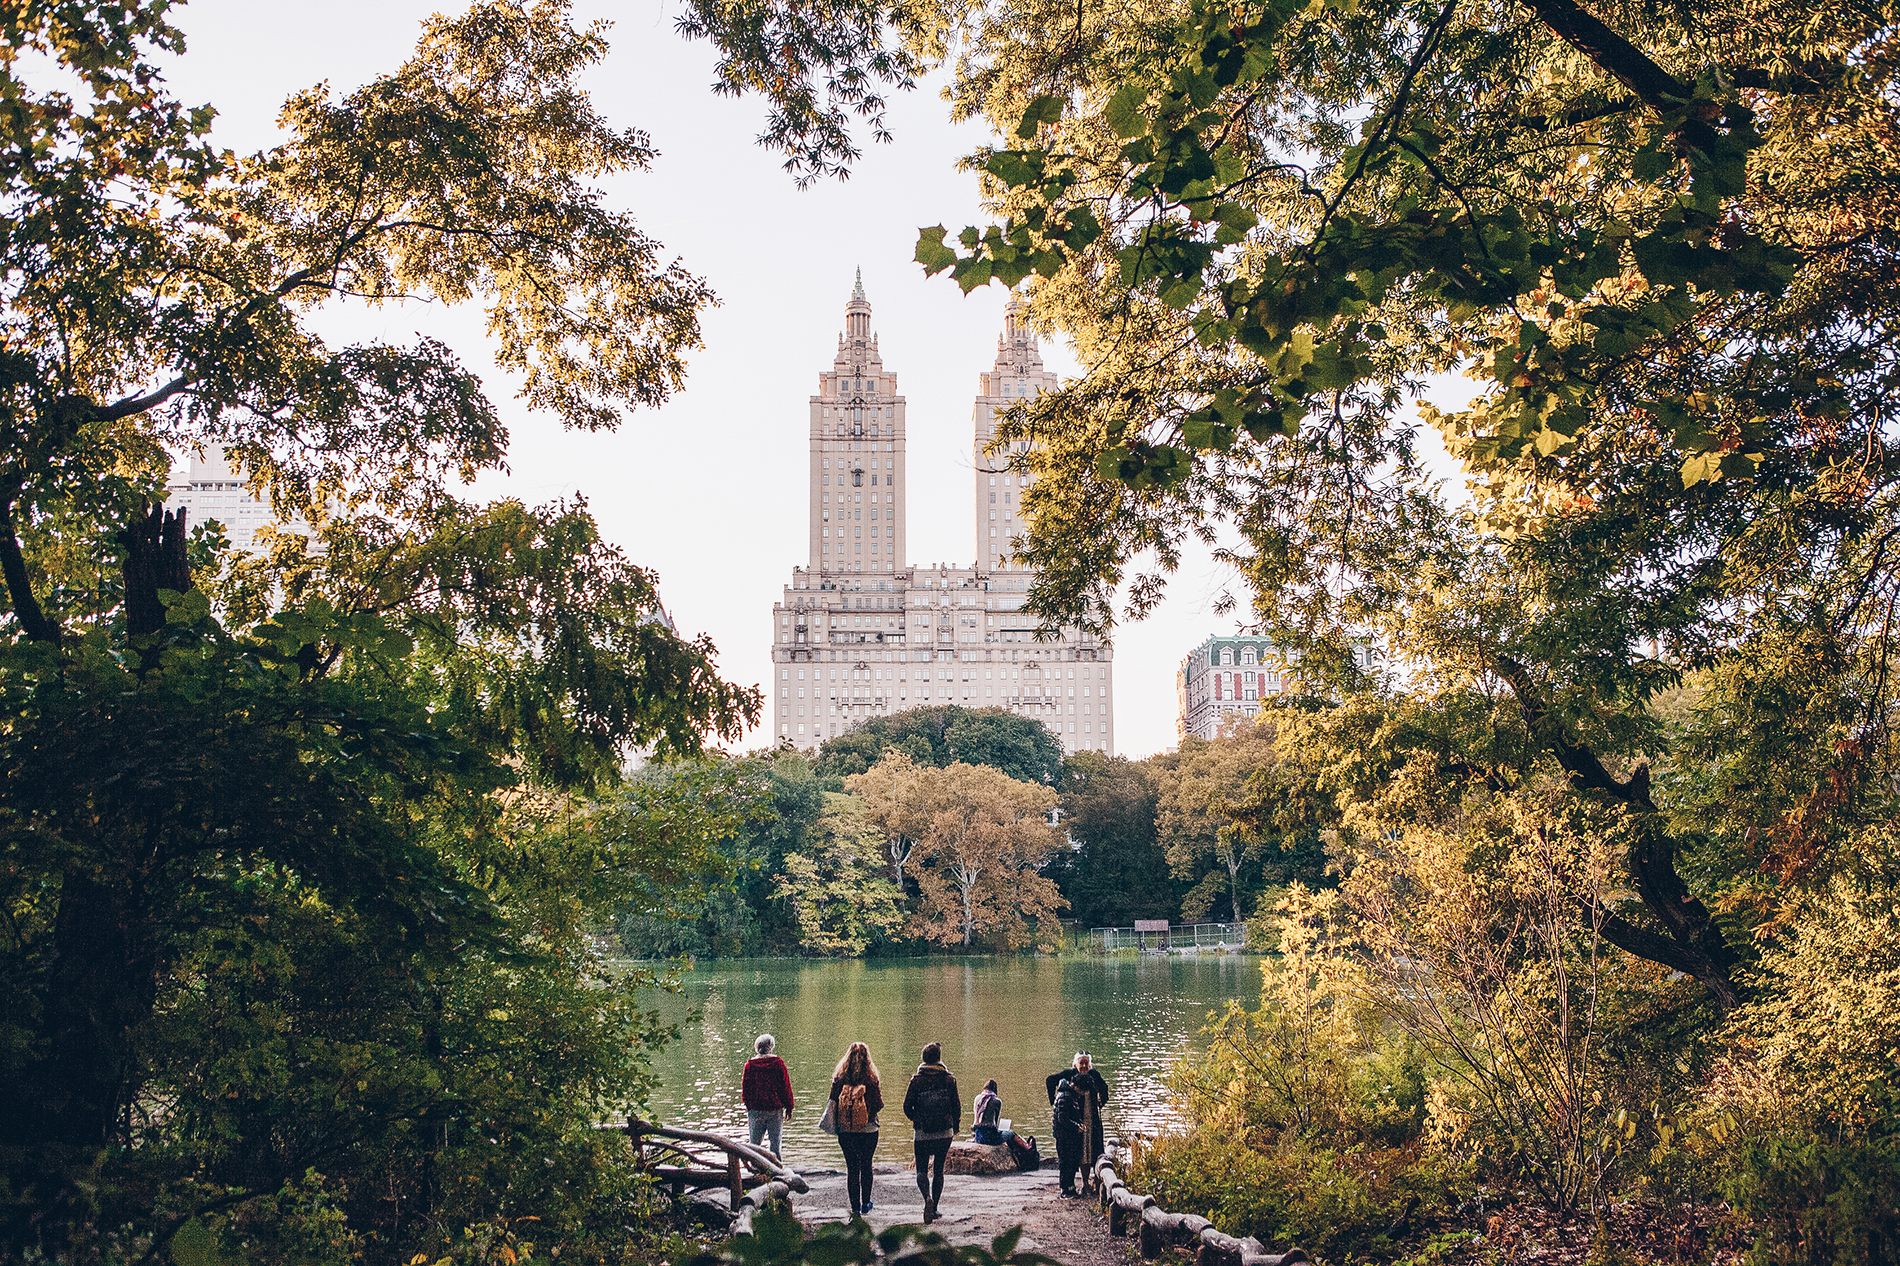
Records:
x=1231, y=936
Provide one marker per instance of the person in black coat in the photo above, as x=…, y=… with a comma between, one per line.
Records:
x=1076, y=1095
x=932, y=1087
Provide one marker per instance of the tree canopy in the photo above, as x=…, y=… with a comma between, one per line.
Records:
x=1657, y=242
x=944, y=734
x=304, y=848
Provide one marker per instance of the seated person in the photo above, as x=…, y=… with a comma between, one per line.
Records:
x=989, y=1111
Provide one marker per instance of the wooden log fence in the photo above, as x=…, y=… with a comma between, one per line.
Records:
x=1132, y=1213
x=696, y=1160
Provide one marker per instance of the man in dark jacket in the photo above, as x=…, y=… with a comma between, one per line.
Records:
x=935, y=1109
x=766, y=1092
x=1076, y=1096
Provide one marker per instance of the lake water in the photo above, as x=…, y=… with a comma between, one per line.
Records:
x=1014, y=1019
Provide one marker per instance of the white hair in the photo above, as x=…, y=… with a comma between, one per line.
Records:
x=1079, y=1057
x=765, y=1044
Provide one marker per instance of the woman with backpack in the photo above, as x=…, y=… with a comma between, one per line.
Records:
x=855, y=1103
x=934, y=1109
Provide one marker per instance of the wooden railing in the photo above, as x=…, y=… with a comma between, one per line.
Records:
x=1158, y=1229
x=695, y=1160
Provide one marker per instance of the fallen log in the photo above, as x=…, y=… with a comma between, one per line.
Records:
x=757, y=1157
x=1159, y=1229
x=1124, y=1208
x=756, y=1200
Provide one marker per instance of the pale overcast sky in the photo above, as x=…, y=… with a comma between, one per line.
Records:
x=698, y=490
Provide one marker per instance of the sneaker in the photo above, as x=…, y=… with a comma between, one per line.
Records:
x=868, y=1206
x=930, y=1212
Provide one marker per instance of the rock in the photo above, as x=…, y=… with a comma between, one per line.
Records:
x=979, y=1158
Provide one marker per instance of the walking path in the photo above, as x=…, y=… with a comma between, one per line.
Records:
x=976, y=1209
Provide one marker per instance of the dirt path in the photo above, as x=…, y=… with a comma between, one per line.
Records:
x=974, y=1210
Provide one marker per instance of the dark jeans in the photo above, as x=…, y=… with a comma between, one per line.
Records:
x=1068, y=1153
x=857, y=1165
x=929, y=1152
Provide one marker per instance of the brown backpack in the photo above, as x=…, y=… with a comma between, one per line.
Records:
x=853, y=1112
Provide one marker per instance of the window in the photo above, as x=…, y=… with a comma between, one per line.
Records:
x=1246, y=656
x=992, y=502
x=1226, y=655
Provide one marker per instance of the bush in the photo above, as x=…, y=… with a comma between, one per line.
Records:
x=1814, y=1201
x=1329, y=1201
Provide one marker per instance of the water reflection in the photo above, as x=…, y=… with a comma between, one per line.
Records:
x=1014, y=1019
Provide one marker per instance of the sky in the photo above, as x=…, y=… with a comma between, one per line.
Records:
x=696, y=490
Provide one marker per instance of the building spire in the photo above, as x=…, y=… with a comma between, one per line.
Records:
x=857, y=291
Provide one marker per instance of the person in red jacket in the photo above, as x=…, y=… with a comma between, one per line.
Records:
x=766, y=1091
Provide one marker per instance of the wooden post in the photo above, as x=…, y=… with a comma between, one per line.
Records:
x=1088, y=1136
x=639, y=1149
x=732, y=1178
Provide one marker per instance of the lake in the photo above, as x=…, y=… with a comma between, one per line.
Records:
x=1014, y=1019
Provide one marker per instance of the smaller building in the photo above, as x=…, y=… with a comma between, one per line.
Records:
x=1228, y=675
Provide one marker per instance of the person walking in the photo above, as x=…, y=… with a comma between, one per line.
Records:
x=1076, y=1096
x=934, y=1109
x=766, y=1092
x=856, y=1100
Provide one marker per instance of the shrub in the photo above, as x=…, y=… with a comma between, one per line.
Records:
x=1328, y=1200
x=1816, y=1201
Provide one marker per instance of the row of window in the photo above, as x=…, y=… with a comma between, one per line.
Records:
x=1030, y=673
x=1095, y=744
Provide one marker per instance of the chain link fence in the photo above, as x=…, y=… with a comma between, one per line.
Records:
x=1213, y=936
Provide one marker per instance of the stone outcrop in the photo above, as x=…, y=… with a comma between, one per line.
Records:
x=979, y=1158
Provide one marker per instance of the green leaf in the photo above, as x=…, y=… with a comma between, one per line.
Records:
x=931, y=252
x=1124, y=112
x=1041, y=110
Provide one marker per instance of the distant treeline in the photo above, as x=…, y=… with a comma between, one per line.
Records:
x=862, y=849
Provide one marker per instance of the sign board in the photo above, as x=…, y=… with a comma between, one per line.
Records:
x=1151, y=925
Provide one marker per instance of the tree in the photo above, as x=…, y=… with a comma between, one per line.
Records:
x=1214, y=819
x=1120, y=873
x=980, y=837
x=893, y=793
x=745, y=910
x=298, y=899
x=1658, y=333
x=942, y=735
x=842, y=902
x=1655, y=242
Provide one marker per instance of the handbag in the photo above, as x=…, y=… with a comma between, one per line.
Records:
x=829, y=1122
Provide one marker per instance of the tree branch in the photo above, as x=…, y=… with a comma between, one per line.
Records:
x=1690, y=941
x=1613, y=55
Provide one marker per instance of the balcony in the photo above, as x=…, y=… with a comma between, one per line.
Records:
x=856, y=637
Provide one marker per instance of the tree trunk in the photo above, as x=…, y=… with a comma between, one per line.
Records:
x=154, y=559
x=26, y=607
x=101, y=991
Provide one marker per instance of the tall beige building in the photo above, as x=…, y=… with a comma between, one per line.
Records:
x=859, y=631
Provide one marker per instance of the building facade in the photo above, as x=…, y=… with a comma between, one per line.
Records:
x=213, y=492
x=860, y=632
x=1224, y=677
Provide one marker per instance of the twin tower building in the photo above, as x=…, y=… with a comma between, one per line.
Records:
x=860, y=631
